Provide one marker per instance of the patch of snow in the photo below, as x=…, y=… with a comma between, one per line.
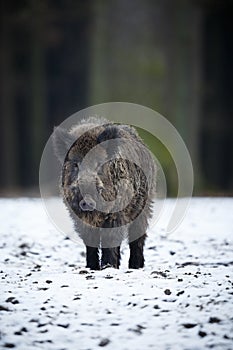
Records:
x=182, y=299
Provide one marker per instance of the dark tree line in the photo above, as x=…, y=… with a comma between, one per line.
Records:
x=44, y=78
x=174, y=56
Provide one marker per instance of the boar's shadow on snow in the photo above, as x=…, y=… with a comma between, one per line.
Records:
x=108, y=184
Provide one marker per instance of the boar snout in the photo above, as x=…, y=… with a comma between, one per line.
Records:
x=87, y=203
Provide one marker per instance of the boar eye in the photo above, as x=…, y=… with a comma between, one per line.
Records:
x=75, y=165
x=100, y=189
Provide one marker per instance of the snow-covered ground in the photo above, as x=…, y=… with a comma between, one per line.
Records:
x=182, y=299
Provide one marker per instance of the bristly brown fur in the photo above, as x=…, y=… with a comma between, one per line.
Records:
x=103, y=229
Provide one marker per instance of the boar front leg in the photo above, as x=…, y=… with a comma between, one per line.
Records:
x=92, y=258
x=110, y=257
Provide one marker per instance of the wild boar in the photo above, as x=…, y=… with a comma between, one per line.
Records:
x=108, y=183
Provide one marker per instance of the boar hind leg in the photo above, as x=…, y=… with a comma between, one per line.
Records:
x=136, y=259
x=110, y=257
x=92, y=258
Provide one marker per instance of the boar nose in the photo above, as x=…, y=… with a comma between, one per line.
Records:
x=87, y=203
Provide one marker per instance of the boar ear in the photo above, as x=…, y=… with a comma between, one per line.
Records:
x=117, y=131
x=62, y=141
x=126, y=133
x=109, y=133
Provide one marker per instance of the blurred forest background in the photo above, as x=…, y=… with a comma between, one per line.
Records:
x=174, y=56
